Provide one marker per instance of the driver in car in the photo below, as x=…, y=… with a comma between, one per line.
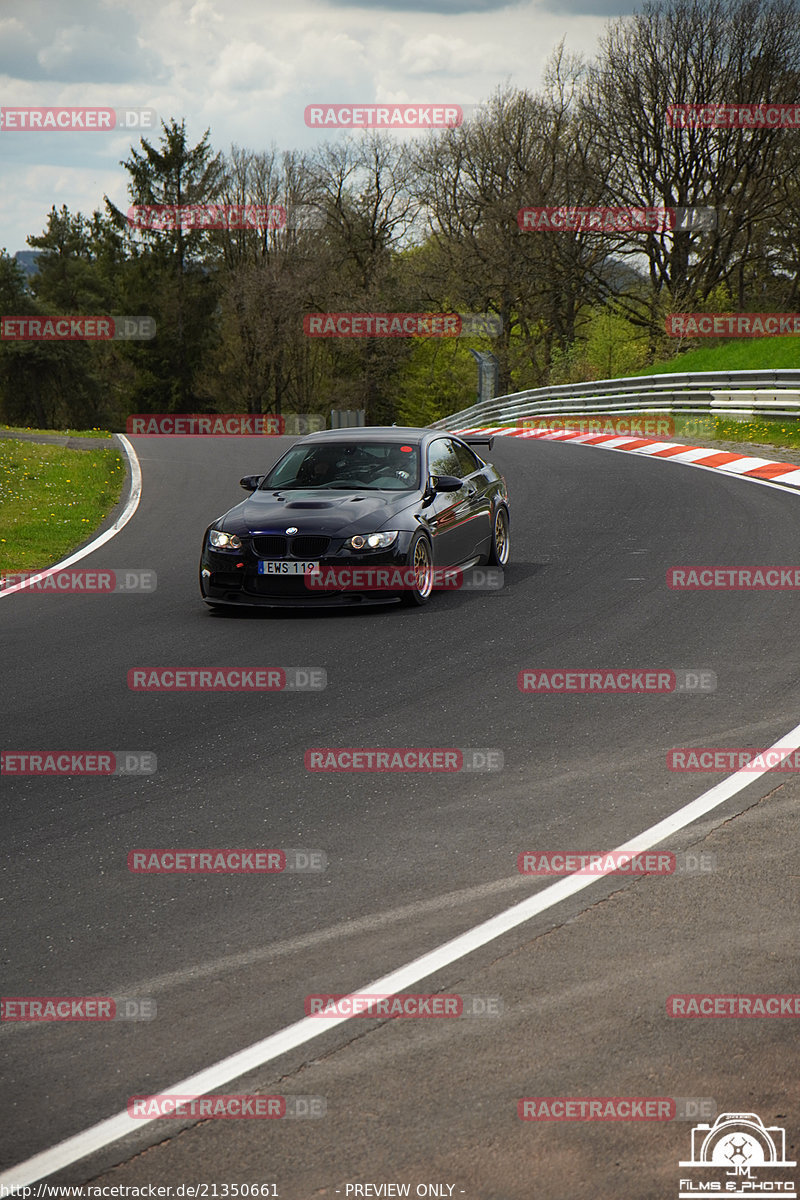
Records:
x=396, y=463
x=317, y=469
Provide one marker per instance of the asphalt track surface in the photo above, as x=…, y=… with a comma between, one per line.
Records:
x=414, y=860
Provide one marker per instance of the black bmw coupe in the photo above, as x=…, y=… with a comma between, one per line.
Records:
x=369, y=515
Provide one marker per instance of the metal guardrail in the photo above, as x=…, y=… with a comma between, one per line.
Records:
x=773, y=393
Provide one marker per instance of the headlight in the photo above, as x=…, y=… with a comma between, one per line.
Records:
x=224, y=541
x=371, y=541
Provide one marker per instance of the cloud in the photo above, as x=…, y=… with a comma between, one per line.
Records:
x=27, y=197
x=435, y=54
x=247, y=70
x=46, y=40
x=592, y=8
x=454, y=8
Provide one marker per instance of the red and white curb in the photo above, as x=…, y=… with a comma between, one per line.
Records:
x=732, y=464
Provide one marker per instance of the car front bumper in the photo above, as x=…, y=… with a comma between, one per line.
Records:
x=231, y=579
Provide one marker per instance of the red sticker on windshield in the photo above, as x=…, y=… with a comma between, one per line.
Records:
x=407, y=449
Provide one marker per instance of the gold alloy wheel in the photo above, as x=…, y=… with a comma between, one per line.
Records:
x=423, y=568
x=501, y=543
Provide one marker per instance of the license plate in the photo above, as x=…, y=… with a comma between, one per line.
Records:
x=279, y=566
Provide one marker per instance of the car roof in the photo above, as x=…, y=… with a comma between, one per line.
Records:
x=376, y=433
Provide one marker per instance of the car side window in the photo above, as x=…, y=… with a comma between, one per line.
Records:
x=467, y=461
x=442, y=458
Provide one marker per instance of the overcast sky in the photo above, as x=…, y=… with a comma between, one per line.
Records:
x=247, y=69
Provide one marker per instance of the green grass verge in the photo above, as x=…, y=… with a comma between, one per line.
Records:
x=52, y=499
x=769, y=433
x=83, y=433
x=736, y=354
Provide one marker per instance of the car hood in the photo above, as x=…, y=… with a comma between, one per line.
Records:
x=315, y=510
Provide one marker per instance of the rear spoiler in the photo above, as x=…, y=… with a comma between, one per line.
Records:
x=478, y=439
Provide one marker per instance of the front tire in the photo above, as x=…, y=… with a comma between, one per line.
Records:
x=420, y=560
x=500, y=547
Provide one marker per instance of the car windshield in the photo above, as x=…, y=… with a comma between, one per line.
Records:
x=388, y=466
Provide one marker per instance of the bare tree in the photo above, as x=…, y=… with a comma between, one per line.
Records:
x=519, y=151
x=695, y=52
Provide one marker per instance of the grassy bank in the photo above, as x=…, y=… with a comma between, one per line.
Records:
x=52, y=499
x=737, y=354
x=82, y=433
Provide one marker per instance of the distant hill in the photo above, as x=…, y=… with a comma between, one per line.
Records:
x=27, y=260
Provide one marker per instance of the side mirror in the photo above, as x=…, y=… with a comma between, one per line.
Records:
x=446, y=483
x=250, y=482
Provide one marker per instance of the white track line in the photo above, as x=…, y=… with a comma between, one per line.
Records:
x=113, y=1128
x=101, y=539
